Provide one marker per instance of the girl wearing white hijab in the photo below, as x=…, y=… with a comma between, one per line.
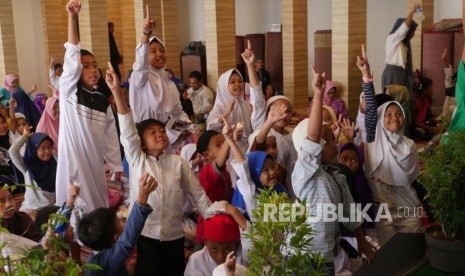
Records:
x=231, y=105
x=391, y=163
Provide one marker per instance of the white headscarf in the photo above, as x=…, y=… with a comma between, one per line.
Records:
x=391, y=157
x=187, y=152
x=241, y=111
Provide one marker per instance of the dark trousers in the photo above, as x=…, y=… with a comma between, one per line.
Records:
x=160, y=258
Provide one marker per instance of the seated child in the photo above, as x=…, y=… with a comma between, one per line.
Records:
x=18, y=223
x=105, y=234
x=39, y=168
x=221, y=236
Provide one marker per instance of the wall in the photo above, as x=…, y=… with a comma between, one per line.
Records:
x=32, y=63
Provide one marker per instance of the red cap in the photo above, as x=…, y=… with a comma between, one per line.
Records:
x=222, y=228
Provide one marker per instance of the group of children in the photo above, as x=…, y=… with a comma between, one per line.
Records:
x=248, y=146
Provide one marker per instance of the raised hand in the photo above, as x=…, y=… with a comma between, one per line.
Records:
x=363, y=65
x=347, y=128
x=147, y=184
x=318, y=82
x=13, y=103
x=112, y=79
x=229, y=107
x=277, y=113
x=230, y=264
x=227, y=129
x=248, y=55
x=73, y=192
x=238, y=131
x=149, y=23
x=27, y=131
x=73, y=7
x=336, y=131
x=53, y=60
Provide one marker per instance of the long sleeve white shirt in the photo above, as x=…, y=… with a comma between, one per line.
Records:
x=395, y=49
x=87, y=137
x=202, y=99
x=173, y=175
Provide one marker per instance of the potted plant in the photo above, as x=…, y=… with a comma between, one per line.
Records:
x=444, y=181
x=281, y=247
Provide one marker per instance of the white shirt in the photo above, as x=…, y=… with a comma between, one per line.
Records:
x=202, y=99
x=173, y=175
x=394, y=52
x=151, y=93
x=87, y=138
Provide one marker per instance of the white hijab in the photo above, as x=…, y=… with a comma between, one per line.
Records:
x=391, y=157
x=187, y=152
x=241, y=113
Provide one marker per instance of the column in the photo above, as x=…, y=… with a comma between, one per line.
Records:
x=93, y=30
x=220, y=34
x=8, y=62
x=295, y=51
x=348, y=33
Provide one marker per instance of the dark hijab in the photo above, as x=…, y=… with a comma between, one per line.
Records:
x=26, y=106
x=43, y=172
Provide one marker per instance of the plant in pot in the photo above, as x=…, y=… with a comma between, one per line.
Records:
x=444, y=181
x=279, y=240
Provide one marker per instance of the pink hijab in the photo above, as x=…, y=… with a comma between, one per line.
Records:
x=329, y=85
x=8, y=82
x=49, y=124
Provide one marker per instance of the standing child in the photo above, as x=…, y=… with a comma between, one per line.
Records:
x=160, y=248
x=391, y=160
x=87, y=126
x=152, y=95
x=315, y=180
x=230, y=103
x=39, y=168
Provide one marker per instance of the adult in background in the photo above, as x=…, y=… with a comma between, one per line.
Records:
x=201, y=96
x=115, y=57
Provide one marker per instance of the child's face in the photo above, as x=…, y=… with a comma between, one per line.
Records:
x=289, y=111
x=269, y=91
x=3, y=127
x=349, y=157
x=219, y=250
x=214, y=147
x=272, y=147
x=235, y=85
x=155, y=139
x=157, y=55
x=15, y=83
x=56, y=110
x=393, y=118
x=7, y=204
x=45, y=150
x=125, y=95
x=90, y=74
x=330, y=150
x=21, y=123
x=327, y=117
x=269, y=175
x=195, y=83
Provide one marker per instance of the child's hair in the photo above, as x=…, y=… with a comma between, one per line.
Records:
x=56, y=66
x=142, y=127
x=97, y=229
x=85, y=52
x=195, y=75
x=425, y=84
x=204, y=140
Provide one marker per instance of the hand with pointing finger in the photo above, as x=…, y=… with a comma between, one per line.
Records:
x=149, y=23
x=318, y=82
x=248, y=55
x=112, y=79
x=363, y=65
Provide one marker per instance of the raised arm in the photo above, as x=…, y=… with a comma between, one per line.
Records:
x=369, y=93
x=277, y=113
x=249, y=57
x=149, y=25
x=73, y=7
x=315, y=118
x=115, y=87
x=409, y=18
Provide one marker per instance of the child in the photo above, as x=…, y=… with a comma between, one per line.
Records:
x=152, y=95
x=103, y=232
x=279, y=113
x=21, y=123
x=87, y=126
x=11, y=85
x=18, y=223
x=160, y=248
x=200, y=95
x=49, y=122
x=39, y=102
x=56, y=69
x=269, y=92
x=392, y=162
x=231, y=105
x=7, y=136
x=39, y=168
x=222, y=236
x=230, y=268
x=317, y=182
x=213, y=176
